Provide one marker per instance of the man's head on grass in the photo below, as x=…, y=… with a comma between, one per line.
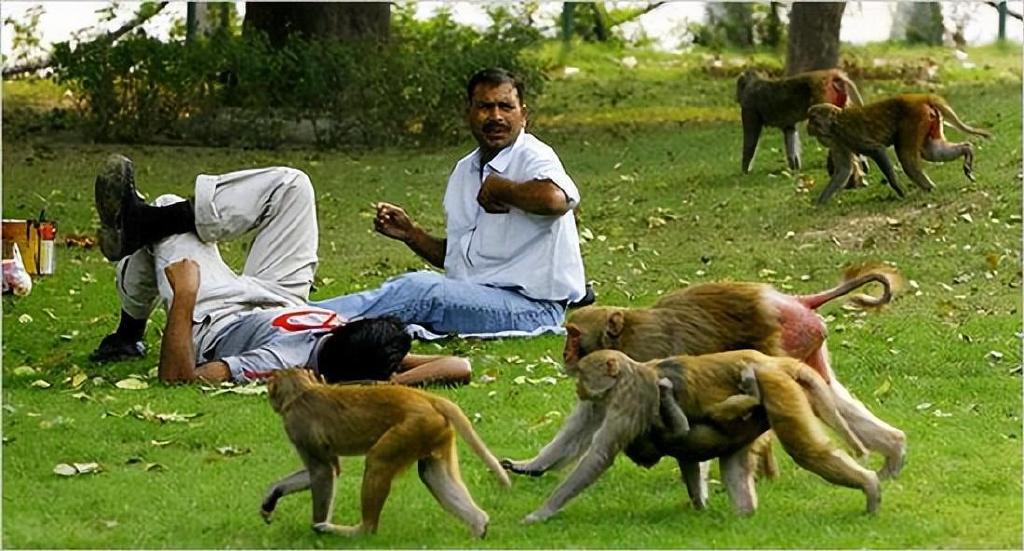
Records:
x=366, y=349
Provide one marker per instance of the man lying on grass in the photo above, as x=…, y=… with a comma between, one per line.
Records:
x=226, y=326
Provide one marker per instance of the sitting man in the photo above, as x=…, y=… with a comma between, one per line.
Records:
x=222, y=325
x=511, y=257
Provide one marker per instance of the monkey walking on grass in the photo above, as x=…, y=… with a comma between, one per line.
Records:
x=393, y=426
x=624, y=395
x=912, y=123
x=783, y=102
x=716, y=317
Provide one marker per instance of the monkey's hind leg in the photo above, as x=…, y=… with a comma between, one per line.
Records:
x=939, y=151
x=392, y=454
x=737, y=406
x=791, y=138
x=837, y=467
x=440, y=474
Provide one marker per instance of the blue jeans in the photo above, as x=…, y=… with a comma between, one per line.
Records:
x=443, y=305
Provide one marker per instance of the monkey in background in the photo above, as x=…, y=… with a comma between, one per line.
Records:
x=625, y=393
x=715, y=317
x=783, y=102
x=393, y=426
x=910, y=122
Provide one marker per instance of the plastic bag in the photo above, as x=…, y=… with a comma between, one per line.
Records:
x=16, y=278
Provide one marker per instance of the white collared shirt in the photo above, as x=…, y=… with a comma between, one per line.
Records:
x=538, y=255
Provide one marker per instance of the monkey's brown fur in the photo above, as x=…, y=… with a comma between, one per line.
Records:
x=910, y=122
x=791, y=393
x=783, y=102
x=393, y=426
x=715, y=317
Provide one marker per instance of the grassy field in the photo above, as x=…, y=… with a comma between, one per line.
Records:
x=655, y=152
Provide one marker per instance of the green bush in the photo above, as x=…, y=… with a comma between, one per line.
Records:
x=240, y=90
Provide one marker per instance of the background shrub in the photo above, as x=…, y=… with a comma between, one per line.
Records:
x=240, y=90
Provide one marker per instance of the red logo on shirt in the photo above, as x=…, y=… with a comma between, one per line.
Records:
x=305, y=320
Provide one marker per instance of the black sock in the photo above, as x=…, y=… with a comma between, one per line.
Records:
x=156, y=223
x=130, y=328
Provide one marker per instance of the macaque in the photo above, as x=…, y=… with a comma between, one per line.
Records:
x=393, y=426
x=783, y=102
x=910, y=122
x=791, y=394
x=715, y=317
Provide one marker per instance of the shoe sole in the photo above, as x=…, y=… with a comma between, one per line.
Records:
x=113, y=184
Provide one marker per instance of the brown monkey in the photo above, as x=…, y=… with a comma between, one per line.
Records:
x=625, y=390
x=714, y=317
x=393, y=426
x=783, y=102
x=910, y=122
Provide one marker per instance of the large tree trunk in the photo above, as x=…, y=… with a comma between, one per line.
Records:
x=813, y=36
x=337, y=20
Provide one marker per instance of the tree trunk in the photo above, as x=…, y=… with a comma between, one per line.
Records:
x=338, y=20
x=813, y=36
x=918, y=23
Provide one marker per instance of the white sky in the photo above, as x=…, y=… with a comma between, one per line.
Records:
x=862, y=22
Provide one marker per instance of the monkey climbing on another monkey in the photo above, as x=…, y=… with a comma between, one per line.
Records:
x=715, y=317
x=910, y=122
x=783, y=102
x=393, y=426
x=625, y=393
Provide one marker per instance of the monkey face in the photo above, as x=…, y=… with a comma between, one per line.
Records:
x=597, y=373
x=819, y=120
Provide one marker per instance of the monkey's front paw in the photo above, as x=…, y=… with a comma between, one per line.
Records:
x=519, y=468
x=535, y=517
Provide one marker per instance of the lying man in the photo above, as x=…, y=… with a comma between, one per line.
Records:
x=227, y=326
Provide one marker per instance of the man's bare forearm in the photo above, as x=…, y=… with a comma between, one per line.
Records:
x=535, y=196
x=430, y=248
x=177, y=357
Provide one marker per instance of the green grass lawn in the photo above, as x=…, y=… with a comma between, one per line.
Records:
x=655, y=152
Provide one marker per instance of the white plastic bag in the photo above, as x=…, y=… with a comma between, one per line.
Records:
x=16, y=278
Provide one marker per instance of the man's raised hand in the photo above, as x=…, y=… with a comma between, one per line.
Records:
x=183, y=276
x=393, y=222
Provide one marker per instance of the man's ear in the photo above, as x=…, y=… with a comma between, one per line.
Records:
x=616, y=323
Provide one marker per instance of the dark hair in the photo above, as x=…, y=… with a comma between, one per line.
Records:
x=495, y=76
x=366, y=349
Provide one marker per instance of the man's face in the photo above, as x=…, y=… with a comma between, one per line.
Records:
x=496, y=116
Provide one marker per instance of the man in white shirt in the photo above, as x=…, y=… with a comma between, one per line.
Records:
x=511, y=256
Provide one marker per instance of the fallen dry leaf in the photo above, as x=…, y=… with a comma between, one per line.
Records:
x=231, y=451
x=131, y=384
x=40, y=383
x=24, y=370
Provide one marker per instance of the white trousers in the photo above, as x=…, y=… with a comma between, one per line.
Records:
x=277, y=205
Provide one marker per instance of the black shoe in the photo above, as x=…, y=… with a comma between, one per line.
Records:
x=114, y=347
x=116, y=201
x=588, y=298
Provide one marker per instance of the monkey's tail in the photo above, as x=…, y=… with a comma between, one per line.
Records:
x=458, y=419
x=955, y=121
x=857, y=276
x=852, y=89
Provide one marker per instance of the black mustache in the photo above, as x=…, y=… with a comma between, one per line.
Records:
x=491, y=126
